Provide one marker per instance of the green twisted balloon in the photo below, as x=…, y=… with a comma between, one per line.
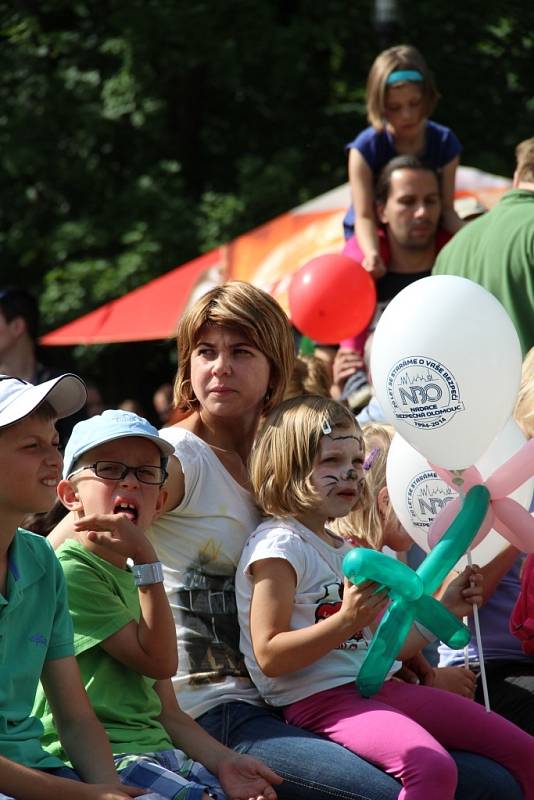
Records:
x=411, y=591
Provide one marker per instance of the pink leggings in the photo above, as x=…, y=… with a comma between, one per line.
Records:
x=405, y=728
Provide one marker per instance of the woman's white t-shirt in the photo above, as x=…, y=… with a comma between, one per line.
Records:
x=199, y=544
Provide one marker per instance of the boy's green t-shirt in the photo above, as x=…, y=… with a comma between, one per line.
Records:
x=103, y=599
x=35, y=628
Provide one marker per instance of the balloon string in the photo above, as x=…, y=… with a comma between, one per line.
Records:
x=476, y=622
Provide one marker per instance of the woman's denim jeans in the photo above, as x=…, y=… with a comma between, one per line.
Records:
x=317, y=769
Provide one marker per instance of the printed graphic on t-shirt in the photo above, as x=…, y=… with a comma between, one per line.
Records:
x=330, y=604
x=206, y=617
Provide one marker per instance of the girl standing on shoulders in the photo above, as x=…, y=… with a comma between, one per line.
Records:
x=305, y=629
x=401, y=95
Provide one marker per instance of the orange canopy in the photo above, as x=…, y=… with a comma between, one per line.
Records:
x=151, y=311
x=266, y=256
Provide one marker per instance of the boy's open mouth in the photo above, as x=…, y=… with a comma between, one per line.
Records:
x=122, y=507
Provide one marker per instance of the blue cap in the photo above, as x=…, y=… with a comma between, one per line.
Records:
x=106, y=427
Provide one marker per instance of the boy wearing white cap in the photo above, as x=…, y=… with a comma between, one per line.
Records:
x=35, y=627
x=124, y=635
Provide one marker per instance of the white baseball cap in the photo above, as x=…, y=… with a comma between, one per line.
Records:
x=66, y=394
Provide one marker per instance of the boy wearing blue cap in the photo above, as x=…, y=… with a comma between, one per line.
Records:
x=35, y=627
x=124, y=635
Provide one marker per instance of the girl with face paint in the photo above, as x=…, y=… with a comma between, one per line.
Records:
x=305, y=629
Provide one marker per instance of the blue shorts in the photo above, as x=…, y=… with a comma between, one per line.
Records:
x=169, y=773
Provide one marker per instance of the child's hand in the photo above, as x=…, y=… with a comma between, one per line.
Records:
x=244, y=778
x=464, y=592
x=374, y=264
x=346, y=363
x=116, y=532
x=361, y=604
x=416, y=670
x=458, y=680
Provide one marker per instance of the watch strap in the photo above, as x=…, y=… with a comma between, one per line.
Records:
x=147, y=574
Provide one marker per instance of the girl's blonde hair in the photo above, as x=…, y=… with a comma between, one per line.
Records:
x=238, y=305
x=365, y=524
x=310, y=376
x=401, y=57
x=285, y=450
x=524, y=409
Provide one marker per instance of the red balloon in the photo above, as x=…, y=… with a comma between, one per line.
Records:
x=331, y=298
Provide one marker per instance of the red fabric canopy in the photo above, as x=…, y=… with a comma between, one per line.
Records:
x=151, y=311
x=267, y=256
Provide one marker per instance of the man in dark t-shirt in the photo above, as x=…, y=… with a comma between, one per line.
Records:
x=408, y=207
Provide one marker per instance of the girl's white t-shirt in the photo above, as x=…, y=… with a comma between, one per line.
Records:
x=199, y=544
x=318, y=595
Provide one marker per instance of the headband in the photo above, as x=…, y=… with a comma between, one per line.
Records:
x=403, y=75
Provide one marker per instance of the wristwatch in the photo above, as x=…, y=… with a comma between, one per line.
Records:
x=147, y=574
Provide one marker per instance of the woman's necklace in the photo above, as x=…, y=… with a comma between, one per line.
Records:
x=226, y=450
x=233, y=462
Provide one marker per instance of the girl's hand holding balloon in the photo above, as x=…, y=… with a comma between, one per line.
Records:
x=361, y=604
x=464, y=592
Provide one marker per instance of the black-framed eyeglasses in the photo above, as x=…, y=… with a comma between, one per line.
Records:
x=117, y=471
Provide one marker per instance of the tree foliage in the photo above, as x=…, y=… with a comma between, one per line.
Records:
x=135, y=135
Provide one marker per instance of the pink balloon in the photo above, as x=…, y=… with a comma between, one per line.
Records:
x=504, y=514
x=468, y=477
x=423, y=495
x=519, y=522
x=446, y=516
x=513, y=472
x=443, y=521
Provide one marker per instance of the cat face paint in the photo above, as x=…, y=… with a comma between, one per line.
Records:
x=338, y=475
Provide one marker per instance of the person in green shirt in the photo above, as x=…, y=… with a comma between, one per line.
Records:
x=497, y=249
x=124, y=636
x=35, y=627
